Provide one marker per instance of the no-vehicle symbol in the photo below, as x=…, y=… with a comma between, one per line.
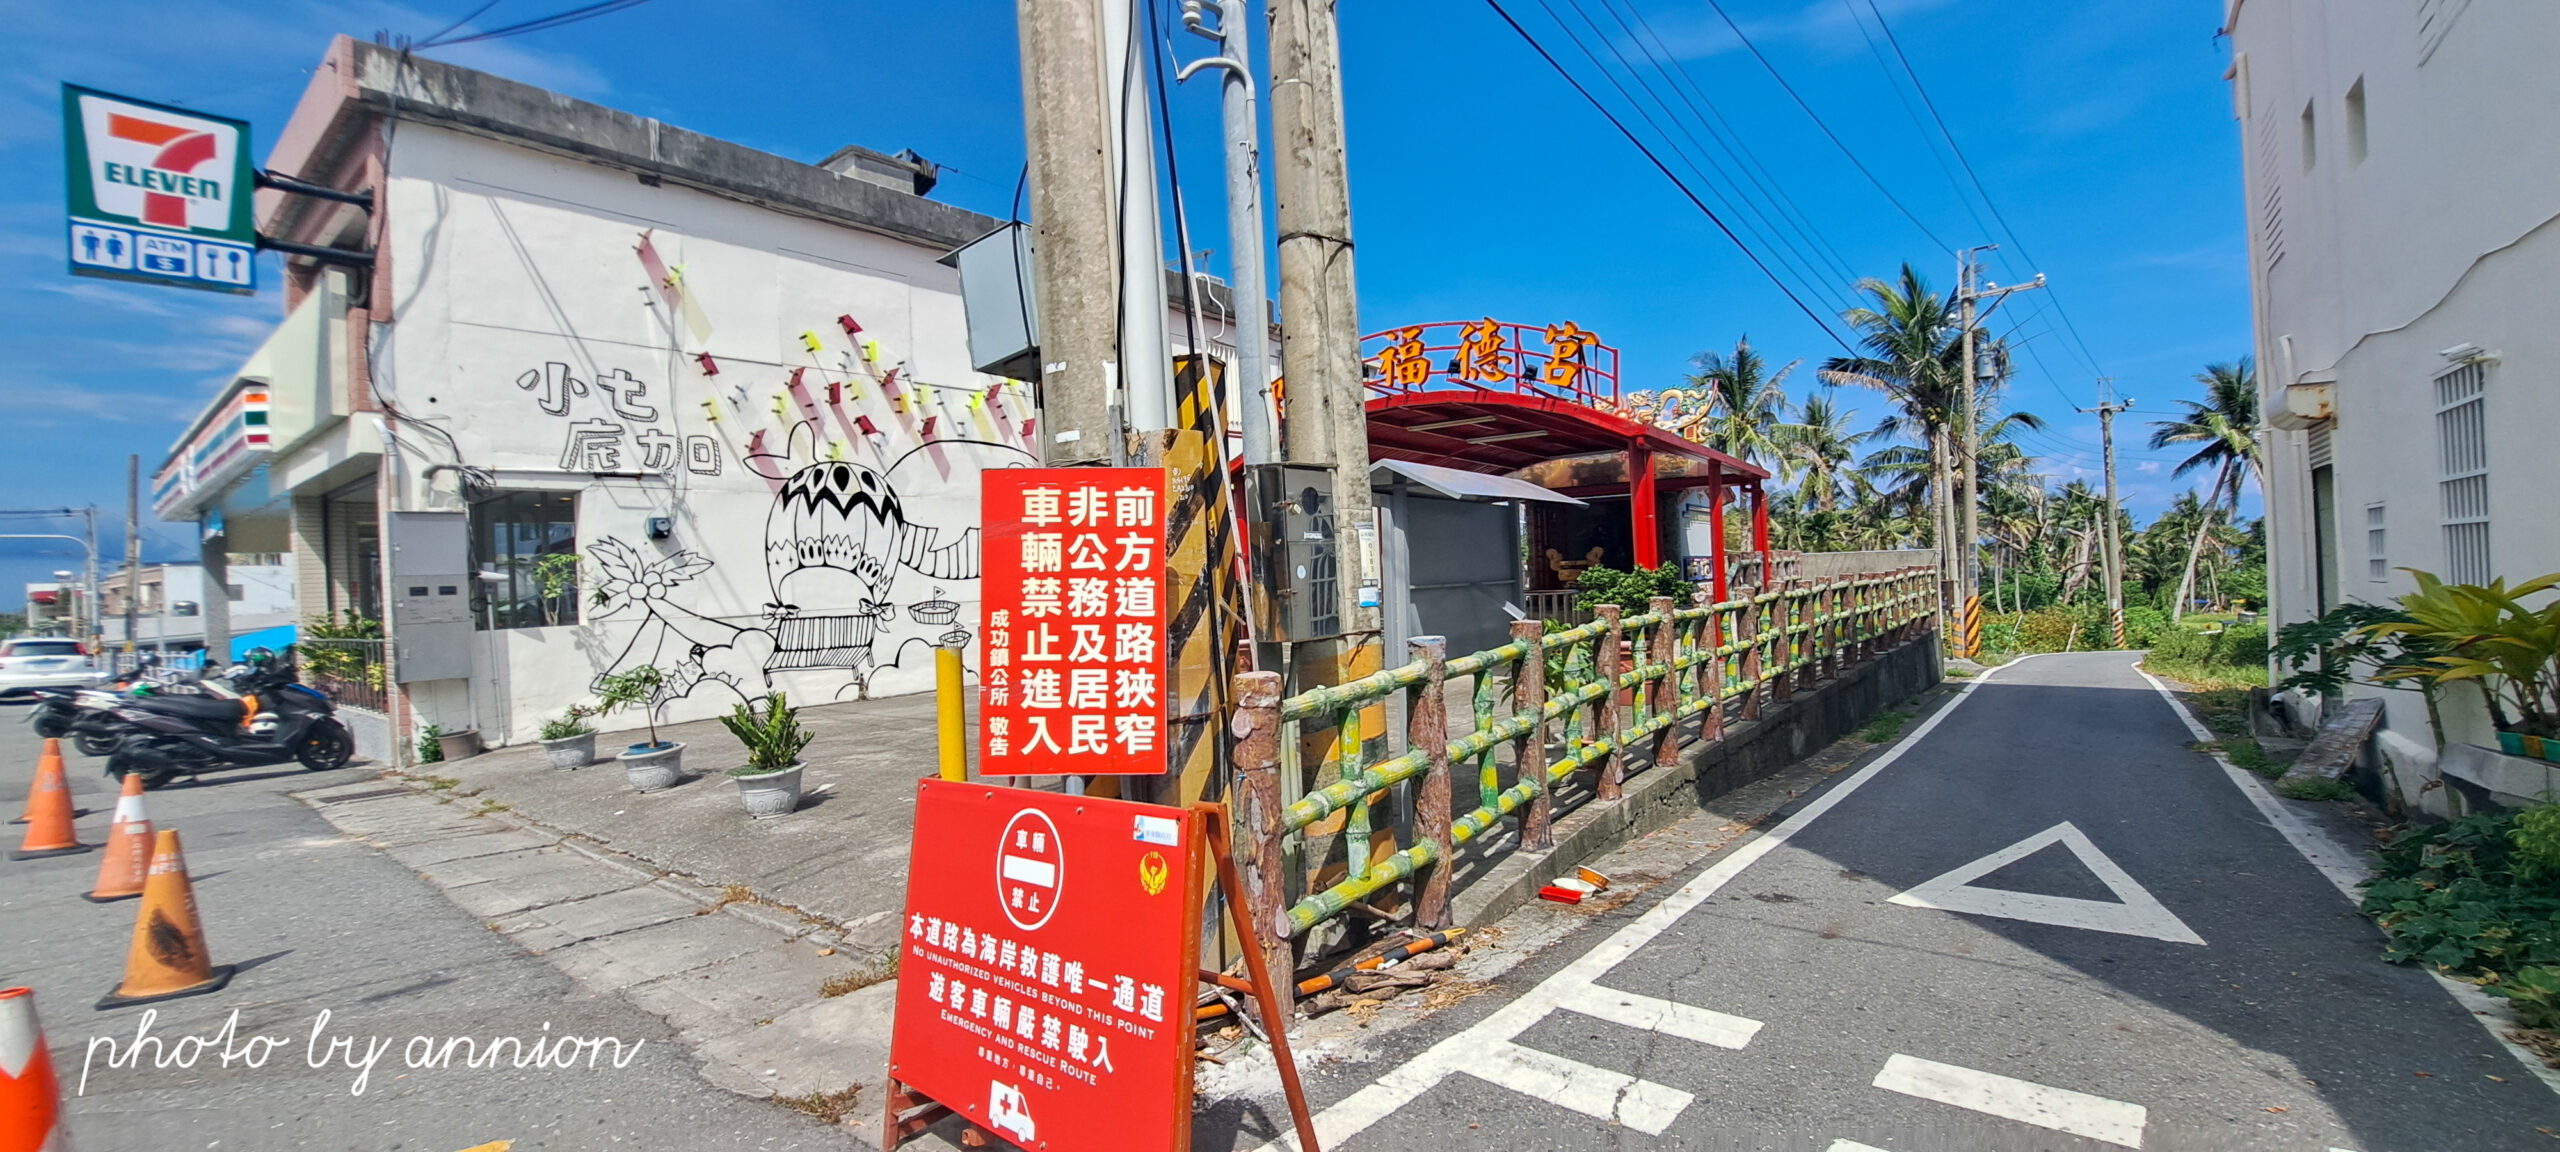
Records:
x=1031, y=869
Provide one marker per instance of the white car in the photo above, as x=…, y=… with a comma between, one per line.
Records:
x=45, y=662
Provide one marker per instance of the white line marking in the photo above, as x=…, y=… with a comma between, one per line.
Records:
x=2060, y=1109
x=1356, y=1112
x=2139, y=914
x=1658, y=1015
x=1851, y=1146
x=1598, y=1093
x=2345, y=869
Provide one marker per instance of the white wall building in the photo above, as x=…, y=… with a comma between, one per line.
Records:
x=611, y=393
x=176, y=601
x=2404, y=238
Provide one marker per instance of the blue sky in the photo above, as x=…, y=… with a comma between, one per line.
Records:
x=1481, y=183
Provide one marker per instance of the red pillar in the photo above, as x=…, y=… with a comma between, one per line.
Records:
x=1641, y=505
x=1760, y=522
x=1715, y=524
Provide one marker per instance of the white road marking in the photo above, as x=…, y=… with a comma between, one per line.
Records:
x=1355, y=1113
x=1658, y=1015
x=1598, y=1093
x=2139, y=914
x=2060, y=1109
x=2344, y=868
x=1852, y=1146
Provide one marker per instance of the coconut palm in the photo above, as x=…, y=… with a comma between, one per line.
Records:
x=2224, y=427
x=1914, y=356
x=1747, y=404
x=1821, y=448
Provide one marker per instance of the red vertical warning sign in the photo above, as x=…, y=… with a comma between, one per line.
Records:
x=1073, y=595
x=1045, y=984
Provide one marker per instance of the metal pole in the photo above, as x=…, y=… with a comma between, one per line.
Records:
x=132, y=545
x=96, y=633
x=1247, y=287
x=951, y=709
x=1146, y=371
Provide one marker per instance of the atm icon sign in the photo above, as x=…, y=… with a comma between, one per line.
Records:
x=1031, y=869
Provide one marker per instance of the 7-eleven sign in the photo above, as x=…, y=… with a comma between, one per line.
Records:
x=158, y=193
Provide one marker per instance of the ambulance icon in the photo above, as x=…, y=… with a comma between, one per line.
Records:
x=1008, y=1112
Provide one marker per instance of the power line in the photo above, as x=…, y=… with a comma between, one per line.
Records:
x=474, y=14
x=1976, y=178
x=1827, y=133
x=537, y=24
x=1790, y=256
x=1667, y=174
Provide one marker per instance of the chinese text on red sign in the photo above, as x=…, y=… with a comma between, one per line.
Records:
x=1073, y=674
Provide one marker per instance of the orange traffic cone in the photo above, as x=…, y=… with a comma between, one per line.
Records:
x=127, y=861
x=168, y=959
x=52, y=755
x=49, y=831
x=30, y=1097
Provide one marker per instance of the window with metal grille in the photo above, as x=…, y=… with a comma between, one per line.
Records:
x=2377, y=566
x=2462, y=455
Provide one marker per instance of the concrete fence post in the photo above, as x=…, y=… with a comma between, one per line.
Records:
x=1259, y=833
x=1665, y=684
x=1529, y=698
x=1746, y=632
x=1427, y=732
x=1605, y=720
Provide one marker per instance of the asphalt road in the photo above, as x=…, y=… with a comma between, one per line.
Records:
x=317, y=924
x=2140, y=958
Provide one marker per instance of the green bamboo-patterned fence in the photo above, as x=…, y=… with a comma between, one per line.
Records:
x=1579, y=709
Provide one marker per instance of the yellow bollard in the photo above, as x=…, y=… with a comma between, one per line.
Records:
x=954, y=713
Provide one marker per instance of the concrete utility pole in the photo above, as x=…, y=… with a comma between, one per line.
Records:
x=132, y=545
x=1248, y=292
x=1969, y=566
x=1326, y=422
x=2114, y=567
x=1069, y=128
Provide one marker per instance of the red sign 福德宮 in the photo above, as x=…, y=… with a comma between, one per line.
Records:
x=1046, y=977
x=1071, y=675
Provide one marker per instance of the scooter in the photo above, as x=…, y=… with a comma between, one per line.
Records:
x=273, y=721
x=86, y=716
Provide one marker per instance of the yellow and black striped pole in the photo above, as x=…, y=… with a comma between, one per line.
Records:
x=1972, y=645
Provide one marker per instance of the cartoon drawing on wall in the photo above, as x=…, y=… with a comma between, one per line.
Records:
x=859, y=579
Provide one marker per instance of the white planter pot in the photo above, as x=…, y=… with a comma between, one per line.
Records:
x=461, y=745
x=574, y=752
x=652, y=768
x=770, y=794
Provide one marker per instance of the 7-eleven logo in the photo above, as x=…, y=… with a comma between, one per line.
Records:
x=159, y=167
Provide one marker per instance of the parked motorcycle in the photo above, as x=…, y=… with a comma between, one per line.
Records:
x=273, y=720
x=86, y=716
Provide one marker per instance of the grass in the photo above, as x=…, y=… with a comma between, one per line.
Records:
x=2317, y=789
x=824, y=1107
x=489, y=806
x=2226, y=712
x=1886, y=726
x=859, y=978
x=2215, y=677
x=441, y=783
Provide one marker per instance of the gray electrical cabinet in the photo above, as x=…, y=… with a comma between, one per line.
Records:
x=1295, y=537
x=430, y=595
x=998, y=303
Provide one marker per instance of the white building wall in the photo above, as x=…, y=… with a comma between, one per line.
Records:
x=806, y=556
x=2444, y=232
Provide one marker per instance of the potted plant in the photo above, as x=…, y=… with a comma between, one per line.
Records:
x=2484, y=634
x=658, y=763
x=461, y=744
x=769, y=782
x=569, y=740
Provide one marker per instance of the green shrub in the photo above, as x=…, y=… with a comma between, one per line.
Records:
x=1630, y=590
x=2460, y=897
x=2048, y=630
x=2536, y=837
x=429, y=750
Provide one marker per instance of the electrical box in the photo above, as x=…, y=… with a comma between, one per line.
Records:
x=998, y=302
x=1295, y=537
x=430, y=595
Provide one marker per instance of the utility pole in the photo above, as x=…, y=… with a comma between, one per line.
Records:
x=1069, y=129
x=132, y=545
x=1969, y=566
x=2113, y=542
x=1247, y=290
x=1326, y=422
x=96, y=634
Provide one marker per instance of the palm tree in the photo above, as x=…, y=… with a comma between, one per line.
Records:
x=1820, y=445
x=2224, y=426
x=1747, y=404
x=1913, y=354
